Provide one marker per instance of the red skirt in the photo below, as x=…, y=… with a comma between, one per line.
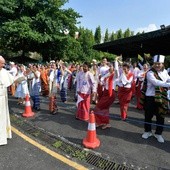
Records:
x=124, y=96
x=83, y=107
x=102, y=108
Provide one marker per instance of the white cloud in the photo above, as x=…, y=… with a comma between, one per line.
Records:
x=149, y=28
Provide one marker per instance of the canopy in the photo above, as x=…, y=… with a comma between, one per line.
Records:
x=155, y=42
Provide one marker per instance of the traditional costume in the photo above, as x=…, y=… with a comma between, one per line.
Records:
x=154, y=97
x=44, y=82
x=53, y=86
x=85, y=85
x=35, y=91
x=125, y=92
x=64, y=84
x=102, y=107
x=22, y=87
x=103, y=70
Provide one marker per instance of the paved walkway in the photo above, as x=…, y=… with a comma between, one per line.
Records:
x=122, y=143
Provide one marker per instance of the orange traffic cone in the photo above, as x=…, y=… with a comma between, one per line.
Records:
x=91, y=141
x=28, y=111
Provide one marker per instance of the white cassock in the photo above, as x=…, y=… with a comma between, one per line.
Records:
x=6, y=79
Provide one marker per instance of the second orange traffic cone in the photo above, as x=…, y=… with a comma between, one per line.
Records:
x=28, y=111
x=91, y=141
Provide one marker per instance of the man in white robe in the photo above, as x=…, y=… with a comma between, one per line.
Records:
x=6, y=79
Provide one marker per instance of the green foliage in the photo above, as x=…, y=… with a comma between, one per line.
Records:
x=112, y=37
x=97, y=35
x=41, y=26
x=119, y=34
x=31, y=25
x=106, y=37
x=127, y=33
x=81, y=155
x=87, y=41
x=57, y=144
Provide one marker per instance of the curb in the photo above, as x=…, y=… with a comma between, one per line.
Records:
x=89, y=158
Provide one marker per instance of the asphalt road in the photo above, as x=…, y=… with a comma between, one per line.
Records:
x=18, y=154
x=122, y=143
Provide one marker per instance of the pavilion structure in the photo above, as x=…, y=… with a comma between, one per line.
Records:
x=155, y=42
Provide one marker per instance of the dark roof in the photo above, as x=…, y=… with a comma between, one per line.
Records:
x=155, y=42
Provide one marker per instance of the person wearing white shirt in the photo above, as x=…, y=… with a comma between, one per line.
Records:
x=53, y=87
x=125, y=89
x=86, y=86
x=102, y=108
x=103, y=69
x=35, y=88
x=22, y=87
x=156, y=102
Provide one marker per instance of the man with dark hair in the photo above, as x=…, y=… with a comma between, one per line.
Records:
x=85, y=86
x=156, y=103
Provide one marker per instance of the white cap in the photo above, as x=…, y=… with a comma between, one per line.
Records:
x=158, y=59
x=52, y=61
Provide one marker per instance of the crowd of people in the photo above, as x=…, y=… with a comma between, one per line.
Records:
x=96, y=83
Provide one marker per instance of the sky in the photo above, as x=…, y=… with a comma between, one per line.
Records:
x=137, y=15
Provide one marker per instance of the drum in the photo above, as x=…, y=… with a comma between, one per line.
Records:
x=20, y=79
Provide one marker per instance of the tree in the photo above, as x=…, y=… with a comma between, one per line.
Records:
x=97, y=35
x=106, y=37
x=127, y=33
x=112, y=37
x=87, y=41
x=119, y=34
x=34, y=25
x=72, y=50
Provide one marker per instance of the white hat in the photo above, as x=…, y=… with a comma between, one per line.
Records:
x=94, y=60
x=158, y=59
x=12, y=63
x=52, y=61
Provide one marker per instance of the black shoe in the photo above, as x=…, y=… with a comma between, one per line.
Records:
x=37, y=109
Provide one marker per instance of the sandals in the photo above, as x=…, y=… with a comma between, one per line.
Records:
x=99, y=125
x=103, y=126
x=106, y=126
